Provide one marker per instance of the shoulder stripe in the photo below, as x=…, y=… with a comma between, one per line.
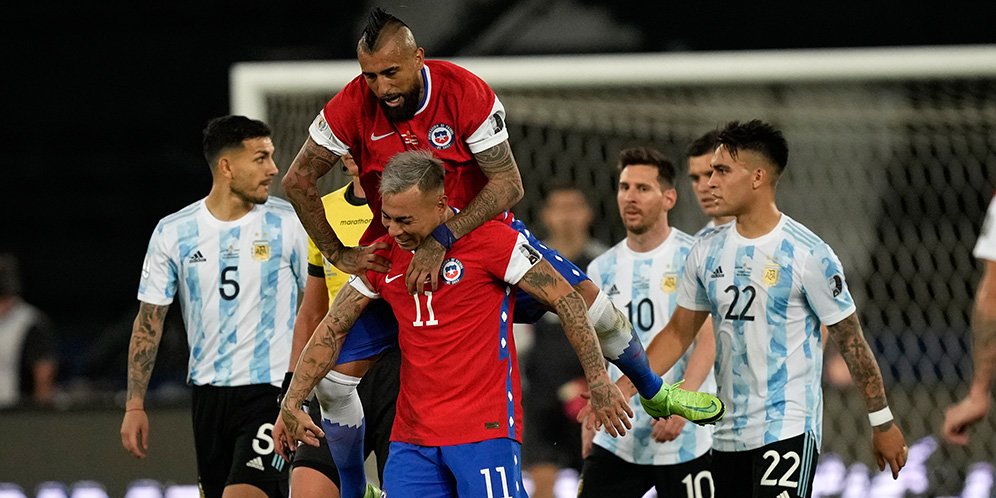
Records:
x=803, y=238
x=186, y=212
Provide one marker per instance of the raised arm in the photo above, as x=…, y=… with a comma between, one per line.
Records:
x=319, y=356
x=549, y=288
x=887, y=438
x=146, y=333
x=974, y=407
x=502, y=191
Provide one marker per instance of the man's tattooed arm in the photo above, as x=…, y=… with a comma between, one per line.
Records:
x=301, y=186
x=861, y=363
x=549, y=288
x=503, y=190
x=146, y=333
x=322, y=351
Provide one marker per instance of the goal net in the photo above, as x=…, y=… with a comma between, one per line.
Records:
x=891, y=161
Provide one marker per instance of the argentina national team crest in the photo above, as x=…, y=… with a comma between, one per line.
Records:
x=261, y=250
x=452, y=271
x=441, y=136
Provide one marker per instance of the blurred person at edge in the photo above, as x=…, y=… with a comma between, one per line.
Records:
x=28, y=353
x=974, y=407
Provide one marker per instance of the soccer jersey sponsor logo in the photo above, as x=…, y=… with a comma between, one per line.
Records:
x=497, y=124
x=531, y=254
x=379, y=137
x=255, y=463
x=441, y=136
x=836, y=285
x=613, y=291
x=452, y=271
x=261, y=250
x=197, y=257
x=717, y=273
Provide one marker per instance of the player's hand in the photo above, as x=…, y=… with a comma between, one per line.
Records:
x=299, y=425
x=425, y=265
x=357, y=260
x=587, y=436
x=962, y=415
x=135, y=433
x=610, y=407
x=284, y=443
x=667, y=429
x=889, y=446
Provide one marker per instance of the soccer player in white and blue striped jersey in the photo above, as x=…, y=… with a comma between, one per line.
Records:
x=768, y=283
x=640, y=274
x=237, y=261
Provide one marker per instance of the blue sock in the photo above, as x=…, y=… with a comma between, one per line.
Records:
x=633, y=362
x=344, y=426
x=622, y=347
x=346, y=446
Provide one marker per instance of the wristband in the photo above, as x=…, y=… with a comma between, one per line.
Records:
x=444, y=236
x=880, y=417
x=284, y=386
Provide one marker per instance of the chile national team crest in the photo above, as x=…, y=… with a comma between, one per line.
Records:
x=452, y=271
x=441, y=136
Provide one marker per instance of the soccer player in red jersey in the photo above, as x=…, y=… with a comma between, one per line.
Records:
x=458, y=427
x=403, y=102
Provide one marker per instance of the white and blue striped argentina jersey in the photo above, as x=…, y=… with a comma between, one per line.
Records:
x=645, y=285
x=238, y=283
x=767, y=297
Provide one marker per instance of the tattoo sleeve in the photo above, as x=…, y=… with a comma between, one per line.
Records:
x=549, y=288
x=146, y=333
x=322, y=350
x=301, y=186
x=503, y=190
x=861, y=363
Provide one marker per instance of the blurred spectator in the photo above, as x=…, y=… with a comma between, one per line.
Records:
x=554, y=379
x=974, y=407
x=28, y=358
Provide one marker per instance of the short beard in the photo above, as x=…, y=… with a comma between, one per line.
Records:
x=406, y=110
x=247, y=197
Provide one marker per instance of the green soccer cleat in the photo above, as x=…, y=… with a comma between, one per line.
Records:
x=373, y=492
x=696, y=407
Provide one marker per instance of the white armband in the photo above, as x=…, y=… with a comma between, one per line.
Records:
x=880, y=417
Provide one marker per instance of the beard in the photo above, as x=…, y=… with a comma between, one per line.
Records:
x=405, y=111
x=250, y=196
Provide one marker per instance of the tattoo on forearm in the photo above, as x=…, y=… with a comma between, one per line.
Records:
x=503, y=190
x=322, y=350
x=573, y=315
x=301, y=186
x=143, y=348
x=860, y=361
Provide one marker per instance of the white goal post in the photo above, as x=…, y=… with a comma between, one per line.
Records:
x=251, y=81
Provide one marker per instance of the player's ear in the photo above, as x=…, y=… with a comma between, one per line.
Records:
x=224, y=167
x=670, y=197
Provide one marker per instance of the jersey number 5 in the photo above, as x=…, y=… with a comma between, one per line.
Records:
x=229, y=285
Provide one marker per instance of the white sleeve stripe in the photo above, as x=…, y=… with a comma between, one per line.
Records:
x=322, y=135
x=492, y=131
x=358, y=284
x=523, y=258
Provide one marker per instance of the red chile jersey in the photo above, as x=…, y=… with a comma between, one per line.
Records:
x=459, y=369
x=459, y=116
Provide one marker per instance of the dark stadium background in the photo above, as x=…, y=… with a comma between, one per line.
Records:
x=103, y=104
